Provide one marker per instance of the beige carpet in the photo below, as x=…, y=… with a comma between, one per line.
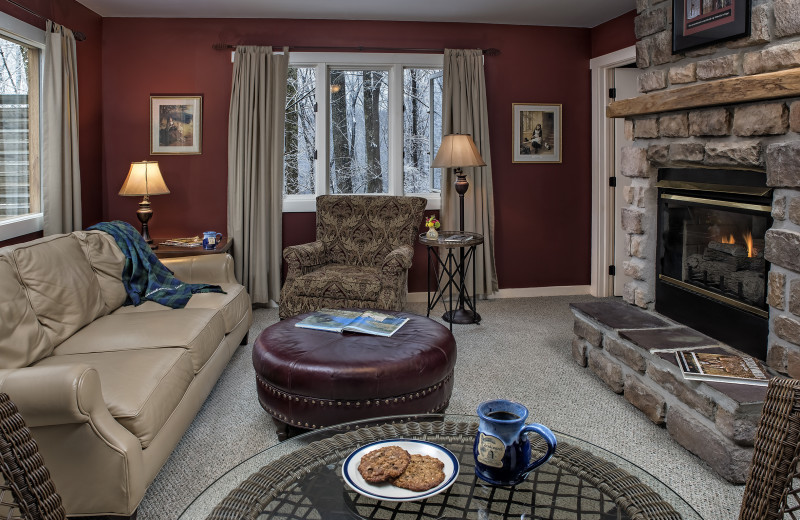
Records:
x=521, y=351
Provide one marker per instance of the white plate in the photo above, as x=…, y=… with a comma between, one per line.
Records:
x=388, y=492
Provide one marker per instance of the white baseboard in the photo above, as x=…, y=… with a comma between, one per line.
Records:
x=526, y=292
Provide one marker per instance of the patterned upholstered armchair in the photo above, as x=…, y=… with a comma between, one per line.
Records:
x=361, y=257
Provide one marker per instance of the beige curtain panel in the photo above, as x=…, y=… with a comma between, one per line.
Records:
x=61, y=173
x=255, y=169
x=464, y=112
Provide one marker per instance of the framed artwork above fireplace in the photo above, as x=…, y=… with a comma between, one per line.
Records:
x=697, y=23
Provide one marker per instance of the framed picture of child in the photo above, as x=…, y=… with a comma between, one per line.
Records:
x=536, y=133
x=175, y=124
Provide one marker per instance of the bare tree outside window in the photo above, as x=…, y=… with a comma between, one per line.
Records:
x=422, y=129
x=19, y=130
x=359, y=146
x=299, y=136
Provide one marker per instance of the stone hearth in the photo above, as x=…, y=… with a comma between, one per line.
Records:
x=715, y=421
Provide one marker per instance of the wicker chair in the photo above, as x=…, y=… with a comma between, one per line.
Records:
x=773, y=490
x=361, y=257
x=26, y=491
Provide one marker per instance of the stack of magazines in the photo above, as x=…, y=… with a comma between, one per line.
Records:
x=457, y=238
x=183, y=242
x=718, y=365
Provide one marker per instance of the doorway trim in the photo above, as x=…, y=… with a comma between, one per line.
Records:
x=603, y=168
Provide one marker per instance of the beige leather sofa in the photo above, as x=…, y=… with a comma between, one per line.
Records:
x=108, y=390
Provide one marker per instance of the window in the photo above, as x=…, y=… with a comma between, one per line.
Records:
x=373, y=131
x=422, y=129
x=299, y=147
x=20, y=171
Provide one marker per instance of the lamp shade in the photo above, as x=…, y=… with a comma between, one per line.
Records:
x=144, y=178
x=457, y=151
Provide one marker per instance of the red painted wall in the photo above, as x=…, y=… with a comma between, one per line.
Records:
x=542, y=210
x=613, y=35
x=75, y=16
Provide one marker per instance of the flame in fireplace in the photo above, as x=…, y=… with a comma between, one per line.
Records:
x=748, y=239
x=728, y=240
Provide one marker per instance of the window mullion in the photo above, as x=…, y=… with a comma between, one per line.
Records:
x=396, y=130
x=321, y=138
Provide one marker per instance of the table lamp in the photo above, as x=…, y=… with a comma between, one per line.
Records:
x=458, y=151
x=144, y=179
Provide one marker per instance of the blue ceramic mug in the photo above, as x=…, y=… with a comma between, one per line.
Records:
x=502, y=449
x=210, y=239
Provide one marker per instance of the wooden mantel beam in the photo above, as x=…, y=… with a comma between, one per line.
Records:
x=770, y=85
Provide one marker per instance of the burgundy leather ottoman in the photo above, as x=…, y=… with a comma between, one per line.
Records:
x=311, y=379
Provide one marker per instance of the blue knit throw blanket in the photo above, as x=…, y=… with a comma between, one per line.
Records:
x=144, y=276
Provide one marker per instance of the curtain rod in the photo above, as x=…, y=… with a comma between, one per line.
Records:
x=79, y=36
x=226, y=46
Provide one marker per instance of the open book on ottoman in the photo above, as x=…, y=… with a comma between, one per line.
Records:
x=340, y=320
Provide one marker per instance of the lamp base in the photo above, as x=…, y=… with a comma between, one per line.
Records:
x=144, y=213
x=461, y=316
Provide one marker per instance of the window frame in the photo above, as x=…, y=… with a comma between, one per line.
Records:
x=26, y=34
x=395, y=63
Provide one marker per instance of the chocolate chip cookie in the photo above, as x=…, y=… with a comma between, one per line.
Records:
x=383, y=464
x=423, y=473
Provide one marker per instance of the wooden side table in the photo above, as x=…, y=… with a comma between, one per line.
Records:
x=225, y=245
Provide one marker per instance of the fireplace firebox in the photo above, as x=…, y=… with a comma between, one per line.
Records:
x=711, y=271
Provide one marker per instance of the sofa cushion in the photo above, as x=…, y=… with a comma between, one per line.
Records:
x=140, y=387
x=233, y=305
x=61, y=286
x=341, y=282
x=22, y=338
x=200, y=331
x=107, y=261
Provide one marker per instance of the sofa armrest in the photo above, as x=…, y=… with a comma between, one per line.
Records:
x=303, y=257
x=217, y=268
x=96, y=463
x=397, y=261
x=49, y=395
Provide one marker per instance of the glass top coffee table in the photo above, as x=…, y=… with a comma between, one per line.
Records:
x=301, y=478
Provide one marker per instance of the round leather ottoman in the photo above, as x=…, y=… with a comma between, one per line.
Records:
x=310, y=378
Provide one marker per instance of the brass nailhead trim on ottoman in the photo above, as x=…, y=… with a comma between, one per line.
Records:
x=316, y=401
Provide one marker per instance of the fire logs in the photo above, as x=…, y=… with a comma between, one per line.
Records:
x=728, y=269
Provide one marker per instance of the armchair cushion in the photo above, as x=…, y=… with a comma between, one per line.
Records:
x=341, y=282
x=363, y=229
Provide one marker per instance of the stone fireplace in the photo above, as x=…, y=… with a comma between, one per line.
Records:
x=760, y=136
x=710, y=268
x=721, y=124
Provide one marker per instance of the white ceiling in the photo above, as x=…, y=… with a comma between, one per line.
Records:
x=563, y=13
